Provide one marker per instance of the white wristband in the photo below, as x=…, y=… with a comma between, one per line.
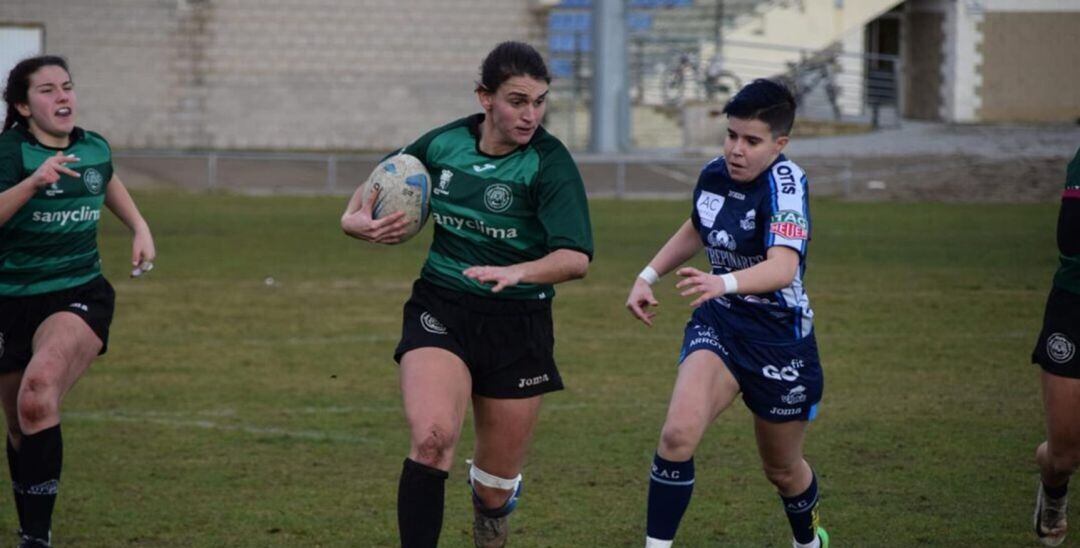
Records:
x=649, y=275
x=731, y=285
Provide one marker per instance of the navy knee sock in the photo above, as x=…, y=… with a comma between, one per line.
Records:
x=13, y=469
x=421, y=492
x=670, y=487
x=801, y=512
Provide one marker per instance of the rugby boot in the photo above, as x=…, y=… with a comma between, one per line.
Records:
x=823, y=539
x=27, y=541
x=1050, y=522
x=490, y=532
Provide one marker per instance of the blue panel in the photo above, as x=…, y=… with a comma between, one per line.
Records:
x=638, y=21
x=561, y=43
x=561, y=68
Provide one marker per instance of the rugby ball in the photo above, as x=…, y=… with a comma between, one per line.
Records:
x=404, y=185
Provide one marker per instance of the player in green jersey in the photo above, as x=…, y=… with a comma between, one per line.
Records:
x=511, y=221
x=1055, y=352
x=55, y=306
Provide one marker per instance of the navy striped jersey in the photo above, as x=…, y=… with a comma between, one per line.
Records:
x=738, y=223
x=50, y=243
x=499, y=210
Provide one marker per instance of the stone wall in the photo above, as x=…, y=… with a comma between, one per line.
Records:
x=273, y=74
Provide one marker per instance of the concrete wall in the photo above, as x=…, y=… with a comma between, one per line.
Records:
x=1031, y=66
x=273, y=74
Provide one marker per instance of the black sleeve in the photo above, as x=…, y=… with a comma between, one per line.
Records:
x=1068, y=231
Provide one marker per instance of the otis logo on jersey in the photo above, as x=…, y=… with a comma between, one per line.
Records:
x=789, y=224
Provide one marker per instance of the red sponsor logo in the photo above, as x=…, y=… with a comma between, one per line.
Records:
x=791, y=231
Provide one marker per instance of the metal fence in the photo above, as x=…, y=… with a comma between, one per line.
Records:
x=638, y=176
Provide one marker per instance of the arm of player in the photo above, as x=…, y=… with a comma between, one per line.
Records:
x=357, y=220
x=12, y=199
x=558, y=266
x=775, y=272
x=119, y=201
x=683, y=245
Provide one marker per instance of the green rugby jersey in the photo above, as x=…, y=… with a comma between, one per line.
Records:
x=1068, y=274
x=51, y=242
x=499, y=210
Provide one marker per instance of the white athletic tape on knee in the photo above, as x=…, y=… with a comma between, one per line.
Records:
x=487, y=480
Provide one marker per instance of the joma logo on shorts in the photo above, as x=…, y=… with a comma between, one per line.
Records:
x=532, y=381
x=785, y=412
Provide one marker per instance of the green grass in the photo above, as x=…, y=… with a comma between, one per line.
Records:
x=230, y=412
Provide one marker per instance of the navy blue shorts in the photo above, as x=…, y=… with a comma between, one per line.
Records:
x=780, y=381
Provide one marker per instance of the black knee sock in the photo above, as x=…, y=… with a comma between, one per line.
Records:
x=39, y=460
x=420, y=504
x=13, y=468
x=1056, y=492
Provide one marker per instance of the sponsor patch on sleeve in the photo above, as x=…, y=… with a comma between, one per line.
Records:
x=789, y=224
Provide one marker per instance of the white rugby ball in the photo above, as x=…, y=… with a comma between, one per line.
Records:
x=404, y=185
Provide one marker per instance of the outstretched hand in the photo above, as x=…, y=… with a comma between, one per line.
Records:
x=710, y=286
x=640, y=299
x=501, y=276
x=362, y=224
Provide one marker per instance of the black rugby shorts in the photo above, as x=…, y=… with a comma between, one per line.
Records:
x=507, y=344
x=1056, y=349
x=20, y=318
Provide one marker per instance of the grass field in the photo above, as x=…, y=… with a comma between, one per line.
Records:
x=232, y=412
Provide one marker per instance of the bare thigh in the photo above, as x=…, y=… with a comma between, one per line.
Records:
x=435, y=387
x=703, y=389
x=64, y=346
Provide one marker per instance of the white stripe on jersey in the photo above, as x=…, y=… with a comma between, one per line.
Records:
x=789, y=225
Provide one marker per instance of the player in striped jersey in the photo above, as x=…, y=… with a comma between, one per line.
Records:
x=1059, y=456
x=55, y=306
x=752, y=326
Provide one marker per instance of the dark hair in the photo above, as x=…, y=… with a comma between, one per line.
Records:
x=18, y=85
x=766, y=100
x=510, y=59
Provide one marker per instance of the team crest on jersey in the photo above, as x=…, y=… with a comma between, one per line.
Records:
x=721, y=238
x=431, y=324
x=748, y=223
x=94, y=180
x=1060, y=348
x=498, y=197
x=789, y=224
x=444, y=182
